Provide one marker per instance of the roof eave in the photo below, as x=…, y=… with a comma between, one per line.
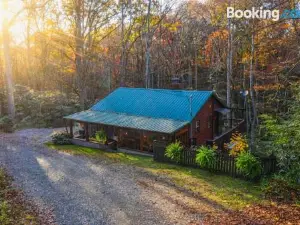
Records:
x=162, y=132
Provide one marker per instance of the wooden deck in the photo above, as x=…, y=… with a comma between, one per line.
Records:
x=220, y=140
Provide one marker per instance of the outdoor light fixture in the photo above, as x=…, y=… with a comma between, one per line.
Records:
x=244, y=93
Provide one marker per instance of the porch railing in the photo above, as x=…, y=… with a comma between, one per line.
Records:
x=221, y=139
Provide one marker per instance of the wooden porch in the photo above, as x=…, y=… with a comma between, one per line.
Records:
x=90, y=144
x=124, y=138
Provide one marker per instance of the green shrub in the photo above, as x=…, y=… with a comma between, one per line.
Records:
x=280, y=136
x=4, y=211
x=293, y=175
x=100, y=136
x=61, y=138
x=248, y=165
x=205, y=157
x=173, y=151
x=6, y=124
x=42, y=108
x=281, y=190
x=4, y=181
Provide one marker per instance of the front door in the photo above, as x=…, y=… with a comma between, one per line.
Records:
x=216, y=124
x=129, y=139
x=110, y=132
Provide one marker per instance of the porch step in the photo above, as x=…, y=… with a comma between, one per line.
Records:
x=134, y=152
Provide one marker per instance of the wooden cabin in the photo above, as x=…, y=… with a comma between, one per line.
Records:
x=135, y=117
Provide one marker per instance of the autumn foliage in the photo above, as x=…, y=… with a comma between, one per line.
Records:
x=258, y=215
x=238, y=143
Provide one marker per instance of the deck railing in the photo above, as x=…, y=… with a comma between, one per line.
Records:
x=220, y=140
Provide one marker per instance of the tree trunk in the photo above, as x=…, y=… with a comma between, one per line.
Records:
x=2, y=92
x=122, y=66
x=229, y=71
x=79, y=53
x=8, y=66
x=254, y=116
x=28, y=46
x=196, y=66
x=148, y=47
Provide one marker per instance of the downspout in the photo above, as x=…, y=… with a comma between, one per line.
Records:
x=212, y=118
x=191, y=115
x=66, y=125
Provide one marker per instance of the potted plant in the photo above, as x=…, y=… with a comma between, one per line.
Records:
x=100, y=137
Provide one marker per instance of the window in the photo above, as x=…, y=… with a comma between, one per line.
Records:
x=209, y=122
x=198, y=125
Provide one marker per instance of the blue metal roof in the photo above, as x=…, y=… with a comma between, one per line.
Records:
x=154, y=103
x=159, y=110
x=129, y=121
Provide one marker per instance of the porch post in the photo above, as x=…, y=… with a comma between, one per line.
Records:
x=86, y=131
x=212, y=119
x=71, y=128
x=141, y=140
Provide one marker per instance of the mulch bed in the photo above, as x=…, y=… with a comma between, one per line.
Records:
x=15, y=208
x=258, y=215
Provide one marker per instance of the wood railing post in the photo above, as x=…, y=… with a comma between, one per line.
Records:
x=71, y=128
x=86, y=131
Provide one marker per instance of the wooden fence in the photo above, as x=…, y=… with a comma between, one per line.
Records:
x=224, y=163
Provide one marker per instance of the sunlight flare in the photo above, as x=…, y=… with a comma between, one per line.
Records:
x=12, y=13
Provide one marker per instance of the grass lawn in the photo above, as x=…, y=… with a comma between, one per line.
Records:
x=224, y=190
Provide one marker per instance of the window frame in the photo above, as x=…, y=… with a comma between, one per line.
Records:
x=198, y=126
x=209, y=122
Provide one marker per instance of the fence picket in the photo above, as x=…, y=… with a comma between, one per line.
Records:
x=233, y=167
x=223, y=163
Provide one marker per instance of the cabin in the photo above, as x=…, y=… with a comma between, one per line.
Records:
x=135, y=117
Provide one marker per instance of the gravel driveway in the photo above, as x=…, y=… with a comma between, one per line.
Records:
x=83, y=191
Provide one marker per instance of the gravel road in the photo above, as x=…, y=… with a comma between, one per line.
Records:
x=82, y=191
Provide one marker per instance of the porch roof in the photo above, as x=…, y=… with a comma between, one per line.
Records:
x=128, y=121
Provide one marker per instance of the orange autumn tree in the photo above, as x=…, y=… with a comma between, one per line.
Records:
x=215, y=41
x=238, y=144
